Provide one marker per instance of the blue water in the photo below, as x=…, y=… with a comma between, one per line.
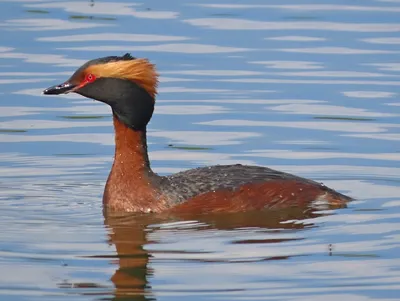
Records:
x=310, y=88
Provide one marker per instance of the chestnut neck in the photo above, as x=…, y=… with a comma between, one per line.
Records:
x=132, y=185
x=130, y=148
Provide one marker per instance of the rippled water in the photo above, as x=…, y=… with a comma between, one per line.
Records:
x=309, y=88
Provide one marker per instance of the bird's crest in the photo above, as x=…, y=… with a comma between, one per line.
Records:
x=140, y=71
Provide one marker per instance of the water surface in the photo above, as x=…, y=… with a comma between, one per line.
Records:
x=308, y=88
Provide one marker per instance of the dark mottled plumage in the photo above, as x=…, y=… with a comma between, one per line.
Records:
x=190, y=183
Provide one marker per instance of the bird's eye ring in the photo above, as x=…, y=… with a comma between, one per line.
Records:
x=90, y=78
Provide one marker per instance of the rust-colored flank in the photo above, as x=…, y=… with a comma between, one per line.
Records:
x=276, y=194
x=129, y=86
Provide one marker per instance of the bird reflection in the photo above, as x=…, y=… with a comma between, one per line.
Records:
x=130, y=236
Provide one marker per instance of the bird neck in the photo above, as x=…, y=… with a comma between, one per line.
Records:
x=130, y=149
x=132, y=185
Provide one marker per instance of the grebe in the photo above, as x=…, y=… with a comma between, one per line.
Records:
x=129, y=86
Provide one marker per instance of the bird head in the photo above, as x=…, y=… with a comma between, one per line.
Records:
x=127, y=84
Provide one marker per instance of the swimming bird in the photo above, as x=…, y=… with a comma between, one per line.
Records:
x=129, y=86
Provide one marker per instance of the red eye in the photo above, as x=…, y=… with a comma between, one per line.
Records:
x=90, y=78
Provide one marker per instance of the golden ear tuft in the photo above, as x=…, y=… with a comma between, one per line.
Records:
x=140, y=71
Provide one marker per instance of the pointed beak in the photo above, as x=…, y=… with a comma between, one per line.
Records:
x=60, y=89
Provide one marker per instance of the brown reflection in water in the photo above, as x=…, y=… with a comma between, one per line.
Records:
x=129, y=234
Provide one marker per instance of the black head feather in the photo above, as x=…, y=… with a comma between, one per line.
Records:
x=105, y=60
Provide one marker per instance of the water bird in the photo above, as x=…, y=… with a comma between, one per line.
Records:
x=129, y=86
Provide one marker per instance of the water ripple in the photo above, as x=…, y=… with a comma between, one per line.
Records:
x=243, y=24
x=310, y=89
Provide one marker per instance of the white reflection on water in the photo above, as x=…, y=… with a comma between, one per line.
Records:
x=29, y=275
x=175, y=48
x=102, y=139
x=391, y=204
x=335, y=296
x=387, y=40
x=247, y=101
x=244, y=24
x=342, y=126
x=289, y=64
x=5, y=49
x=311, y=81
x=341, y=73
x=337, y=50
x=123, y=37
x=18, y=111
x=47, y=25
x=221, y=248
x=328, y=110
x=306, y=7
x=297, y=38
x=32, y=124
x=386, y=66
x=205, y=138
x=51, y=59
x=303, y=142
x=24, y=1
x=190, y=110
x=192, y=90
x=312, y=155
x=214, y=72
x=199, y=158
x=22, y=81
x=380, y=136
x=165, y=79
x=13, y=73
x=368, y=94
